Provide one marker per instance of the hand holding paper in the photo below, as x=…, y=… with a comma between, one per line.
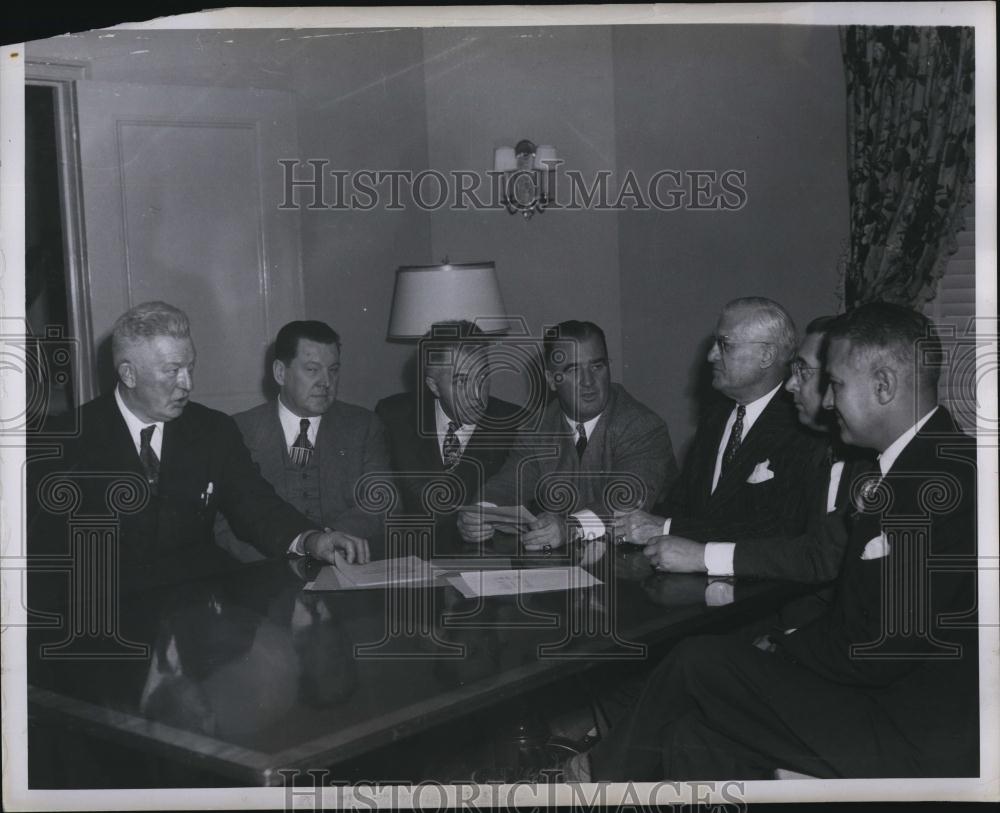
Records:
x=476, y=523
x=326, y=545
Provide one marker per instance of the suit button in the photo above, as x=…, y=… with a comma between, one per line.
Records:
x=305, y=476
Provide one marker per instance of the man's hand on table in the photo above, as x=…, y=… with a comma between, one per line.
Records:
x=676, y=554
x=472, y=527
x=546, y=532
x=324, y=545
x=637, y=526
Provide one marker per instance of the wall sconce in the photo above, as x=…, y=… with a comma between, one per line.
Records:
x=529, y=174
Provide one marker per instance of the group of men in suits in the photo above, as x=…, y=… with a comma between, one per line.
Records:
x=765, y=491
x=883, y=681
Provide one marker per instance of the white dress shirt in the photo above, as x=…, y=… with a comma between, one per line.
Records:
x=291, y=425
x=135, y=426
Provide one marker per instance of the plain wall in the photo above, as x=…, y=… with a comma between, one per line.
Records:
x=359, y=98
x=763, y=99
x=488, y=88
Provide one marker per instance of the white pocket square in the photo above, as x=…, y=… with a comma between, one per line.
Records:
x=761, y=473
x=876, y=548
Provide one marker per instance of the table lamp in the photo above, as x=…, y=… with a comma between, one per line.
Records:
x=426, y=294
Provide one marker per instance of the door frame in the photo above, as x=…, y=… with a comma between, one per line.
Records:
x=61, y=76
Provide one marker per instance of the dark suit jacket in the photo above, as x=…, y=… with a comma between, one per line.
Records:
x=350, y=443
x=410, y=421
x=629, y=462
x=171, y=534
x=815, y=555
x=737, y=509
x=929, y=513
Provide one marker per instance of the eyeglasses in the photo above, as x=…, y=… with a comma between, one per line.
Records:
x=725, y=344
x=802, y=371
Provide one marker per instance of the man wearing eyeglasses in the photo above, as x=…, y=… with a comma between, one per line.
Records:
x=815, y=555
x=747, y=474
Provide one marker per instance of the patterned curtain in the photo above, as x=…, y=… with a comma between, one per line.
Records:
x=911, y=156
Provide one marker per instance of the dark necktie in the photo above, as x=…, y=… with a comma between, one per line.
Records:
x=735, y=438
x=150, y=462
x=581, y=439
x=451, y=449
x=302, y=449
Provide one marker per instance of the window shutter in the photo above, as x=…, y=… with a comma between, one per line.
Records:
x=953, y=310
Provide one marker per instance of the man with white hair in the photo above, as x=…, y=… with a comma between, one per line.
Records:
x=746, y=474
x=192, y=458
x=885, y=682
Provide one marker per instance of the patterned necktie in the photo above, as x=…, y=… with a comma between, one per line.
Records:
x=581, y=440
x=451, y=449
x=150, y=462
x=735, y=438
x=302, y=449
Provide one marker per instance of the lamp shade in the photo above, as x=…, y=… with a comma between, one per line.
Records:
x=426, y=294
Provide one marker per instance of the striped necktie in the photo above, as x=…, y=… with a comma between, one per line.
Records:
x=302, y=449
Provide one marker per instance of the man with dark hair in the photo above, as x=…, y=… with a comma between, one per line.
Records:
x=311, y=447
x=192, y=459
x=595, y=448
x=815, y=554
x=450, y=436
x=883, y=684
x=746, y=473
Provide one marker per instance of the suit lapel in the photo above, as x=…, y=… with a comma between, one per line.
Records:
x=753, y=449
x=328, y=446
x=113, y=446
x=427, y=445
x=270, y=440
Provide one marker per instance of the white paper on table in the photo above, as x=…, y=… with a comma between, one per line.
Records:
x=405, y=570
x=529, y=580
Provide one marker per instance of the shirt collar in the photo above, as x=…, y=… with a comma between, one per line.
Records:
x=135, y=425
x=888, y=457
x=443, y=420
x=291, y=424
x=588, y=426
x=754, y=408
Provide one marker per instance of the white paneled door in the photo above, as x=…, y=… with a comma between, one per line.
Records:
x=181, y=189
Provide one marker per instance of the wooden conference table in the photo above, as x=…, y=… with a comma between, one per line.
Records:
x=249, y=675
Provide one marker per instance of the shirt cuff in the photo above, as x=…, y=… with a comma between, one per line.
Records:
x=297, y=548
x=590, y=525
x=719, y=558
x=666, y=525
x=718, y=593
